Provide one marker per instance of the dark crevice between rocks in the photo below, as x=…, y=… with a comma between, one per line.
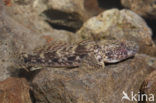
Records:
x=32, y=96
x=108, y=4
x=94, y=7
x=63, y=20
x=22, y=73
x=61, y=27
x=142, y=91
x=152, y=24
x=29, y=75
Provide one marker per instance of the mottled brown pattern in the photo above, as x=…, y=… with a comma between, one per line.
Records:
x=73, y=55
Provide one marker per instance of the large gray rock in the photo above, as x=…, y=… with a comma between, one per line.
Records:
x=119, y=24
x=57, y=85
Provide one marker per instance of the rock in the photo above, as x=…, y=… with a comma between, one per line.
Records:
x=91, y=86
x=41, y=16
x=148, y=87
x=146, y=8
x=63, y=14
x=23, y=12
x=63, y=20
x=92, y=7
x=16, y=32
x=16, y=37
x=23, y=2
x=66, y=5
x=59, y=35
x=119, y=24
x=14, y=90
x=69, y=14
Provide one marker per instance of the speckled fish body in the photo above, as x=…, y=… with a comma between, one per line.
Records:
x=73, y=55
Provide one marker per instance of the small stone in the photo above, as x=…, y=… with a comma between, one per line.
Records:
x=14, y=90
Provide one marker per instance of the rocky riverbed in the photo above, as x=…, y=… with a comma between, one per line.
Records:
x=29, y=24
